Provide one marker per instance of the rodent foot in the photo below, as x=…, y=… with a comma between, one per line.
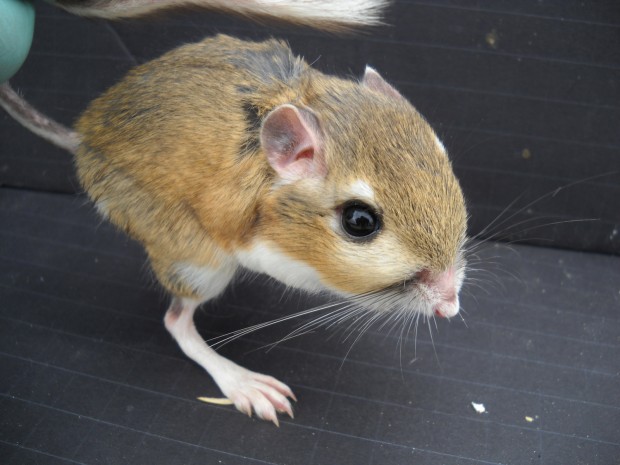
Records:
x=264, y=395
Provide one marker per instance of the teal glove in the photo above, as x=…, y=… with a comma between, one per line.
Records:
x=16, y=28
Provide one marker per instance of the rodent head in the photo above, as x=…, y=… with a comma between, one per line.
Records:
x=365, y=201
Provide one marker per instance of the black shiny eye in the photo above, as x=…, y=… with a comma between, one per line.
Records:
x=359, y=220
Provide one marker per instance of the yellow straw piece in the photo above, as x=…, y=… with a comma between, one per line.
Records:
x=216, y=400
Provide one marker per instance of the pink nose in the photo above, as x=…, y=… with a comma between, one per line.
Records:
x=443, y=282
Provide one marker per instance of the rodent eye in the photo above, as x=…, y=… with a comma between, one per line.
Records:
x=359, y=220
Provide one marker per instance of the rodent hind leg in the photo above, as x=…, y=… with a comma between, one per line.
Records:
x=248, y=391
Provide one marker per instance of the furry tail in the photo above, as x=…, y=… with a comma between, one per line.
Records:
x=331, y=15
x=36, y=122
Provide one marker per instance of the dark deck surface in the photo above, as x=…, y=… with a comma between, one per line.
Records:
x=88, y=374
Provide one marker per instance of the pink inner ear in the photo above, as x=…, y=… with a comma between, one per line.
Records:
x=307, y=153
x=291, y=140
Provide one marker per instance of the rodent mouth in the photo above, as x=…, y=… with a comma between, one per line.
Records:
x=408, y=296
x=425, y=292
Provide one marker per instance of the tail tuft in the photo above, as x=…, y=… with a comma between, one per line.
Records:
x=331, y=15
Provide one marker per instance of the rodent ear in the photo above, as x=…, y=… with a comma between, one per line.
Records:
x=373, y=80
x=291, y=139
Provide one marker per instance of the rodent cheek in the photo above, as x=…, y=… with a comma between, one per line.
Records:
x=358, y=267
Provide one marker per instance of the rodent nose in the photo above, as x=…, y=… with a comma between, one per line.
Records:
x=444, y=282
x=446, y=310
x=444, y=286
x=450, y=296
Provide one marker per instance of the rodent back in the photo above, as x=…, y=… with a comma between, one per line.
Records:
x=182, y=132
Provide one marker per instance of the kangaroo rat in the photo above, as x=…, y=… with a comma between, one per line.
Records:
x=226, y=153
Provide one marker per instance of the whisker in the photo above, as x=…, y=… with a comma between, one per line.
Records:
x=310, y=326
x=369, y=323
x=221, y=340
x=463, y=318
x=430, y=331
x=488, y=226
x=340, y=311
x=551, y=193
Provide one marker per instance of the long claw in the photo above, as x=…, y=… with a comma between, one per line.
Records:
x=216, y=400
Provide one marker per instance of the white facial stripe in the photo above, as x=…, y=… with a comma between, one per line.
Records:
x=440, y=144
x=362, y=190
x=266, y=258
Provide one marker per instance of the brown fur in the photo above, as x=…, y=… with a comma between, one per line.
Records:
x=171, y=154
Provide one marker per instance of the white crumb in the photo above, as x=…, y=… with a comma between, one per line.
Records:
x=479, y=408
